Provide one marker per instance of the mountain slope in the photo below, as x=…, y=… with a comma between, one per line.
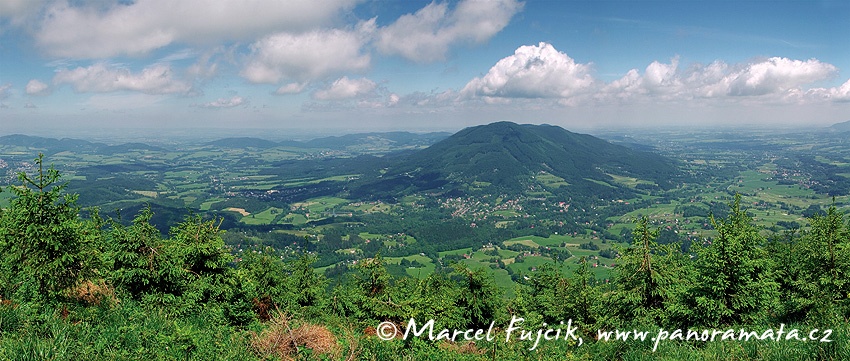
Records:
x=841, y=127
x=507, y=156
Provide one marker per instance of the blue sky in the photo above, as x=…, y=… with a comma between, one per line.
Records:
x=359, y=65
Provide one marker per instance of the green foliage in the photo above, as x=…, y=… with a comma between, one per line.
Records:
x=480, y=299
x=650, y=279
x=551, y=297
x=734, y=275
x=821, y=286
x=142, y=262
x=186, y=297
x=45, y=247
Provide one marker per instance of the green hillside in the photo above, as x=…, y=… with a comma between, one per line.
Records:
x=506, y=156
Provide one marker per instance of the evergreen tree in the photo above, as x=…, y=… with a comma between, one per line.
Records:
x=141, y=260
x=824, y=259
x=45, y=246
x=734, y=275
x=584, y=297
x=649, y=278
x=480, y=298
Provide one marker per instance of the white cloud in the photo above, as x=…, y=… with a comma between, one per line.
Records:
x=18, y=11
x=36, y=87
x=225, y=102
x=425, y=36
x=659, y=80
x=308, y=56
x=541, y=73
x=291, y=88
x=91, y=31
x=837, y=94
x=776, y=75
x=345, y=88
x=100, y=78
x=533, y=72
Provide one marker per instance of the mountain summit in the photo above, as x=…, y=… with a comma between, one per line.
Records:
x=509, y=156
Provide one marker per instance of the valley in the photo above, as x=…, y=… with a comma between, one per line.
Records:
x=503, y=197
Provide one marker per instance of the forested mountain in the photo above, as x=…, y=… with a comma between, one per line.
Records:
x=507, y=156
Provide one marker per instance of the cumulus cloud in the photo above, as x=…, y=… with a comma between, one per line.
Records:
x=426, y=35
x=541, y=72
x=36, y=87
x=90, y=30
x=659, y=80
x=533, y=72
x=101, y=78
x=345, y=88
x=837, y=94
x=774, y=76
x=225, y=102
x=307, y=56
x=777, y=75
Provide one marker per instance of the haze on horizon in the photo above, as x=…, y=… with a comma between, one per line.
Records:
x=347, y=66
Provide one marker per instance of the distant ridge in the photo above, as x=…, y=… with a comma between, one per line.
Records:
x=50, y=145
x=841, y=127
x=508, y=155
x=53, y=145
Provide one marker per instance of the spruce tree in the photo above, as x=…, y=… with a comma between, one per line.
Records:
x=649, y=278
x=734, y=276
x=44, y=245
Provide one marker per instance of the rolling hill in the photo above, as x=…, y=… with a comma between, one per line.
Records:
x=506, y=157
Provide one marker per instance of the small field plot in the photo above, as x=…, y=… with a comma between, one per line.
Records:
x=421, y=268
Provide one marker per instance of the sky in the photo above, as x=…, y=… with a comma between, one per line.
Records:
x=379, y=65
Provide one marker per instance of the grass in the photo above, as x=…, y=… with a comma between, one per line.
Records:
x=416, y=272
x=551, y=180
x=265, y=217
x=629, y=181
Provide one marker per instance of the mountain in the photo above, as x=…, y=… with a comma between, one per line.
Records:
x=841, y=127
x=508, y=157
x=50, y=145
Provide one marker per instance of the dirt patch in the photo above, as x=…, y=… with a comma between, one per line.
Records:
x=283, y=341
x=241, y=211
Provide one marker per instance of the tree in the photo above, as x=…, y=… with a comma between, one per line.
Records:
x=479, y=297
x=648, y=279
x=584, y=298
x=205, y=261
x=734, y=275
x=824, y=259
x=142, y=262
x=45, y=246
